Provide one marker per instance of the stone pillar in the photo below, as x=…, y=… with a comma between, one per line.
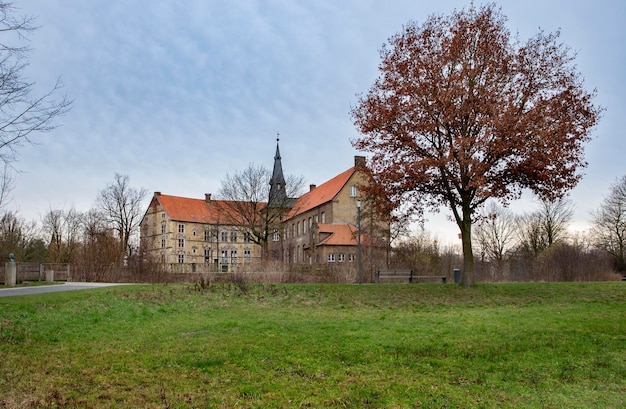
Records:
x=10, y=272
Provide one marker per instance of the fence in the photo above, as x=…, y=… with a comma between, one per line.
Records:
x=147, y=272
x=39, y=272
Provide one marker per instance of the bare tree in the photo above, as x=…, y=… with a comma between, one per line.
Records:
x=99, y=245
x=420, y=252
x=495, y=232
x=62, y=229
x=17, y=236
x=609, y=220
x=248, y=192
x=6, y=186
x=546, y=226
x=93, y=223
x=122, y=208
x=21, y=114
x=52, y=227
x=73, y=221
x=555, y=217
x=529, y=235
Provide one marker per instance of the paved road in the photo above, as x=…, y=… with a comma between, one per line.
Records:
x=6, y=292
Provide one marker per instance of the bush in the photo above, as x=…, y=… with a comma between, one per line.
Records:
x=572, y=262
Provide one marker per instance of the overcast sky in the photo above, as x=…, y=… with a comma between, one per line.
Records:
x=177, y=94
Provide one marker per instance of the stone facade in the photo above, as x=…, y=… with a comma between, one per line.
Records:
x=317, y=228
x=195, y=235
x=322, y=225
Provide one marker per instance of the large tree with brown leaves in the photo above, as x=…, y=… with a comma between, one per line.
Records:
x=463, y=112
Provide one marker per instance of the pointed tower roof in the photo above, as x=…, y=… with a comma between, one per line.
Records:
x=278, y=194
x=277, y=174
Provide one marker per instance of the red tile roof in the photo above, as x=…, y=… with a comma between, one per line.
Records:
x=185, y=209
x=340, y=234
x=321, y=194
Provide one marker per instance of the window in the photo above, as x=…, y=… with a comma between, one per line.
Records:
x=194, y=232
x=233, y=256
x=352, y=191
x=341, y=258
x=207, y=235
x=181, y=228
x=162, y=243
x=304, y=226
x=275, y=236
x=323, y=217
x=181, y=242
x=298, y=228
x=181, y=258
x=350, y=257
x=246, y=237
x=207, y=255
x=224, y=237
x=224, y=256
x=331, y=258
x=163, y=228
x=310, y=222
x=233, y=236
x=247, y=253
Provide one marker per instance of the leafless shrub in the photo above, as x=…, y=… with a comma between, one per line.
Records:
x=572, y=262
x=240, y=282
x=203, y=281
x=419, y=253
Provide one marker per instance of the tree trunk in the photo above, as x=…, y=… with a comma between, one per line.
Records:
x=467, y=275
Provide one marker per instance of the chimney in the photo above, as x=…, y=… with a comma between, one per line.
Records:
x=312, y=187
x=359, y=161
x=157, y=194
x=207, y=197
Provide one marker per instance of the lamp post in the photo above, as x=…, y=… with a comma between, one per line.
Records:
x=358, y=240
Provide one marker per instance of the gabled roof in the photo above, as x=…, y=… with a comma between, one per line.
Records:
x=341, y=234
x=186, y=209
x=321, y=194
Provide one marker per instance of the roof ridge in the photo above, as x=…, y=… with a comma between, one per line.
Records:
x=321, y=194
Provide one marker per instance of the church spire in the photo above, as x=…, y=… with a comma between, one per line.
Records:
x=278, y=194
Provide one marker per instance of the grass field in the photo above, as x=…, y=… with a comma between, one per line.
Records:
x=560, y=345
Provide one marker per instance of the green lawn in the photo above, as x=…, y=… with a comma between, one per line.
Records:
x=558, y=345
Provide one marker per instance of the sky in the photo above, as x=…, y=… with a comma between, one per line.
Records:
x=178, y=94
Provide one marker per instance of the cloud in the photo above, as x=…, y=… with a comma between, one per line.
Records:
x=177, y=94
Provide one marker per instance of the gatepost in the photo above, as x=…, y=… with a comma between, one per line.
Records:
x=10, y=272
x=49, y=276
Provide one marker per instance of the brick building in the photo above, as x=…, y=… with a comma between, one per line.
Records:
x=321, y=227
x=196, y=234
x=318, y=227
